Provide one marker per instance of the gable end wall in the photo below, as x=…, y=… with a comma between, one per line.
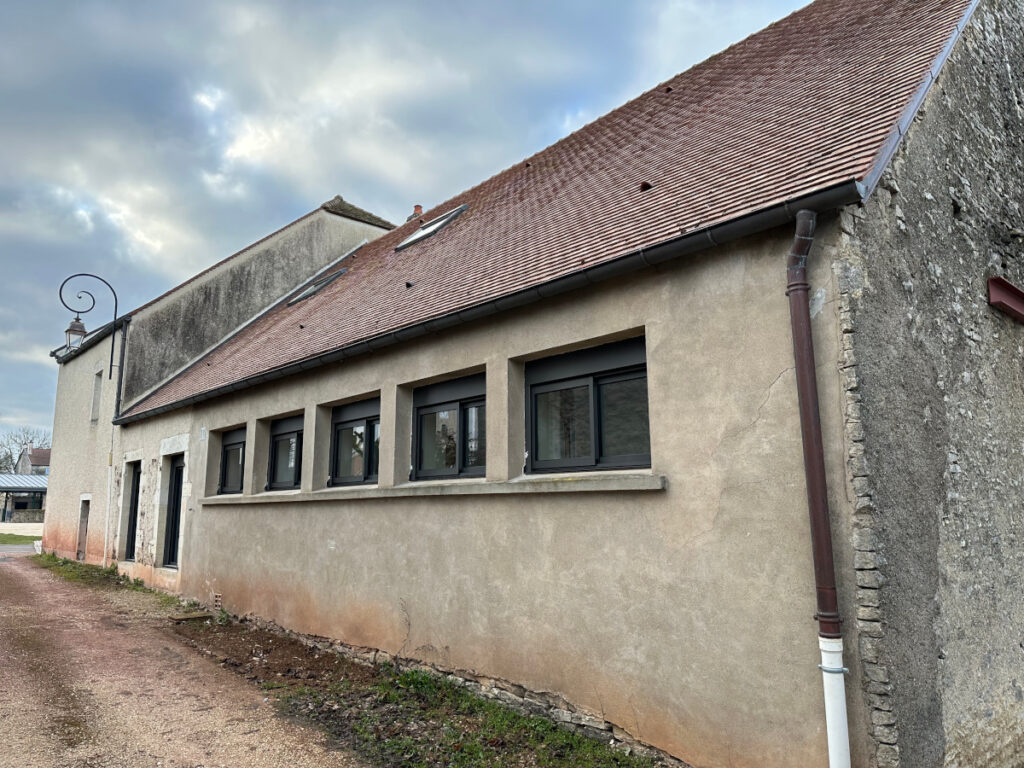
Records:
x=181, y=326
x=935, y=414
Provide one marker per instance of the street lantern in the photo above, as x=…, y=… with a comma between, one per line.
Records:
x=75, y=333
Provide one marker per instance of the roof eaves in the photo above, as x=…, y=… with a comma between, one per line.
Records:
x=888, y=150
x=826, y=199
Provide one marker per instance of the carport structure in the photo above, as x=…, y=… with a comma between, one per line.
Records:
x=21, y=492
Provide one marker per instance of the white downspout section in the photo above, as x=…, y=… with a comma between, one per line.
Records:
x=833, y=676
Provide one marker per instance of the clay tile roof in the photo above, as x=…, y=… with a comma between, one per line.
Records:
x=39, y=457
x=810, y=102
x=341, y=207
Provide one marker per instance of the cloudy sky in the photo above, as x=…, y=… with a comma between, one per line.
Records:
x=143, y=141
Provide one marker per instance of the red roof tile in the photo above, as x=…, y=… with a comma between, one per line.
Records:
x=803, y=105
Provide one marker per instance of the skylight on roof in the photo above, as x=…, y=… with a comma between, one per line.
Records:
x=431, y=227
x=316, y=285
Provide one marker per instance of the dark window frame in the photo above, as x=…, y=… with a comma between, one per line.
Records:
x=235, y=437
x=592, y=367
x=172, y=517
x=280, y=431
x=455, y=395
x=365, y=413
x=132, y=524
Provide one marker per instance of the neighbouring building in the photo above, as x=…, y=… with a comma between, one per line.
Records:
x=33, y=461
x=23, y=498
x=558, y=435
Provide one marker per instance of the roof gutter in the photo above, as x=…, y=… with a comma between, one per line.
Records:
x=777, y=215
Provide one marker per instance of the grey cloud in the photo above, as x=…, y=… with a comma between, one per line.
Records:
x=112, y=165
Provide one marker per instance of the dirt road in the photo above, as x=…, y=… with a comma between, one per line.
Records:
x=92, y=679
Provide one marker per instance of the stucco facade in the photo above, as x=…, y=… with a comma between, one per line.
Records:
x=674, y=603
x=629, y=593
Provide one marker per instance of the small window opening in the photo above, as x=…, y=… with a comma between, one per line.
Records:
x=431, y=227
x=645, y=185
x=97, y=391
x=317, y=285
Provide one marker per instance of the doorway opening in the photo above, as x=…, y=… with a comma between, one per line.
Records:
x=172, y=523
x=83, y=529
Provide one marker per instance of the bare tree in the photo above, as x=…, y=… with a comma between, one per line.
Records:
x=13, y=442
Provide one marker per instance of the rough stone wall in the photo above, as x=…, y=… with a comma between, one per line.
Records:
x=935, y=416
x=181, y=326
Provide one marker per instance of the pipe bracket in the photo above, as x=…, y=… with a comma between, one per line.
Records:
x=834, y=670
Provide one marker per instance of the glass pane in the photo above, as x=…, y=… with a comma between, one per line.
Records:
x=374, y=449
x=625, y=429
x=284, y=460
x=476, y=436
x=350, y=447
x=563, y=424
x=234, y=455
x=438, y=433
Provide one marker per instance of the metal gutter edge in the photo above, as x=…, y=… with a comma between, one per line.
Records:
x=120, y=365
x=888, y=149
x=830, y=198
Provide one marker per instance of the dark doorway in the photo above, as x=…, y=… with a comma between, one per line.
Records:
x=83, y=530
x=135, y=469
x=173, y=512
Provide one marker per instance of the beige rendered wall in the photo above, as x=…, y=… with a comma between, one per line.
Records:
x=681, y=614
x=82, y=448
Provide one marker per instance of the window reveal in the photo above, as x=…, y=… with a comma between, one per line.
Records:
x=450, y=429
x=285, y=454
x=355, y=443
x=588, y=409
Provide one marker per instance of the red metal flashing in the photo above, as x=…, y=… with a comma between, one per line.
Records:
x=1006, y=297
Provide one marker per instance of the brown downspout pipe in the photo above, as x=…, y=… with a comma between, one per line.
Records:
x=810, y=427
x=830, y=638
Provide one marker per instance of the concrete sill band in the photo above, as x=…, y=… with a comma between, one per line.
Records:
x=560, y=483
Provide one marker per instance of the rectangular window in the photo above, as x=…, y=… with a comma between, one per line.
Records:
x=588, y=409
x=450, y=429
x=232, y=461
x=355, y=443
x=97, y=391
x=285, y=454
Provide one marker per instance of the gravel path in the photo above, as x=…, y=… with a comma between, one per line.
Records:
x=92, y=679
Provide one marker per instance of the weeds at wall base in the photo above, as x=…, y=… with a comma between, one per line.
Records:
x=96, y=576
x=390, y=716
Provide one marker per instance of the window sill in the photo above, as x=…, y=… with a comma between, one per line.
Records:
x=569, y=482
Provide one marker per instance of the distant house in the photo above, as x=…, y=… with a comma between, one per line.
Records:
x=33, y=461
x=601, y=434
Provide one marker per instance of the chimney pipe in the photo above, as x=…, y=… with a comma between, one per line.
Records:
x=417, y=210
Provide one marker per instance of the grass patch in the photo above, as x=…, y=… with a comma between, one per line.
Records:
x=17, y=538
x=415, y=719
x=397, y=718
x=95, y=576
